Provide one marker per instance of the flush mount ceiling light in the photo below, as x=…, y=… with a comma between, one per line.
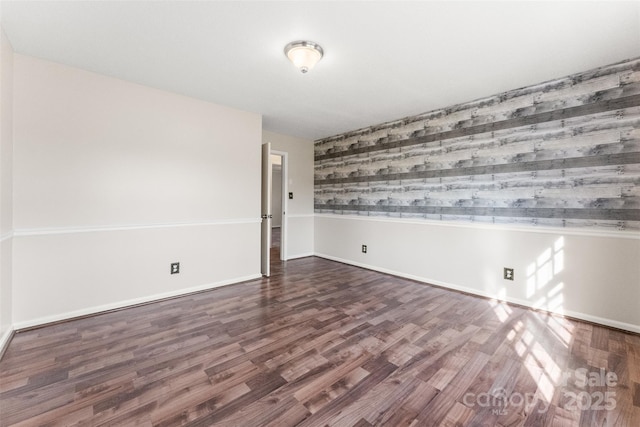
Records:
x=303, y=54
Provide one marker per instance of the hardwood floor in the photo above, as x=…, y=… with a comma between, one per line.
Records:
x=322, y=343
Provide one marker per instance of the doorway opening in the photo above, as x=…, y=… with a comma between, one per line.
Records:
x=278, y=204
x=266, y=230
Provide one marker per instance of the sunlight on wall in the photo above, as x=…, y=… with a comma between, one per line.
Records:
x=541, y=277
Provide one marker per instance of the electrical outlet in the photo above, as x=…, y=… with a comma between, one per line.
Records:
x=508, y=273
x=364, y=249
x=175, y=268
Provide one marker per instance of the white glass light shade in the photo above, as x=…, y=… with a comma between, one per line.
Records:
x=304, y=55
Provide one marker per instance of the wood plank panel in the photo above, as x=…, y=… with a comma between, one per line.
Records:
x=586, y=122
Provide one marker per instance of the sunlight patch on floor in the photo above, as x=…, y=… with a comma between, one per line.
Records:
x=501, y=309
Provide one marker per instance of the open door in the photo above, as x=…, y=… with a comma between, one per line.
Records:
x=266, y=209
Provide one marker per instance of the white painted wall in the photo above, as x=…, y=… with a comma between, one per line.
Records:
x=299, y=213
x=6, y=184
x=92, y=151
x=132, y=165
x=71, y=274
x=592, y=276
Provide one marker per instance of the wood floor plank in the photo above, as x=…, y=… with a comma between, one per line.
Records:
x=436, y=410
x=319, y=343
x=358, y=403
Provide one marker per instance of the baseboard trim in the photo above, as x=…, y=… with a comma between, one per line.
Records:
x=628, y=327
x=106, y=308
x=5, y=339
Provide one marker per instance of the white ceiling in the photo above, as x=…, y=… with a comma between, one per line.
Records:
x=384, y=60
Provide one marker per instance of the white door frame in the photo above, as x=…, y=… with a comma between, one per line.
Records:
x=285, y=203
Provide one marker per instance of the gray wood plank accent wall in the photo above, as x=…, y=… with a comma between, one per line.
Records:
x=564, y=153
